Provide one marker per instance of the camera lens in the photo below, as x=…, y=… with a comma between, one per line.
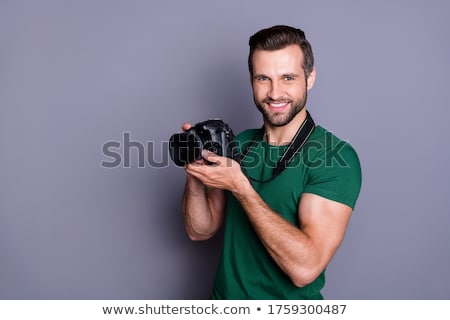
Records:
x=185, y=148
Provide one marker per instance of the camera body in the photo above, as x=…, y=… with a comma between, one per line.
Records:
x=213, y=135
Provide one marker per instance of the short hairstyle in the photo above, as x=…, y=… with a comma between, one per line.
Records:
x=279, y=37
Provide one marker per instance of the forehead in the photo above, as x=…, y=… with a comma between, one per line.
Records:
x=288, y=59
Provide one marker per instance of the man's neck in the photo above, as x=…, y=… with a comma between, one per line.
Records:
x=278, y=136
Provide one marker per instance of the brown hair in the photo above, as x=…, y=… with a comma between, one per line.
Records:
x=279, y=37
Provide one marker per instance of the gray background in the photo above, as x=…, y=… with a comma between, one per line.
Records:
x=77, y=74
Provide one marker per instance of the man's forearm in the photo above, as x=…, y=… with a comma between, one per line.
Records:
x=290, y=248
x=202, y=209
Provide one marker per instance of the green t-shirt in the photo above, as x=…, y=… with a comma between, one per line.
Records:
x=326, y=166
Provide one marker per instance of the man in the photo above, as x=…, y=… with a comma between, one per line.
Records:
x=282, y=226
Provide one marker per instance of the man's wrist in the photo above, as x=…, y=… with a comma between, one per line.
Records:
x=194, y=185
x=241, y=187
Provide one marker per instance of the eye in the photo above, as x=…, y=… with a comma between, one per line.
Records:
x=288, y=78
x=262, y=78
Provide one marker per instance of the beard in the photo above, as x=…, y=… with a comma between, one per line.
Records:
x=279, y=119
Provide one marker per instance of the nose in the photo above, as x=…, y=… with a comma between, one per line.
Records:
x=276, y=91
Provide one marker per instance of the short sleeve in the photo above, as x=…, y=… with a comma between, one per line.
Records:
x=335, y=173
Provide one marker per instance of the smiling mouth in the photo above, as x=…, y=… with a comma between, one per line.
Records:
x=278, y=105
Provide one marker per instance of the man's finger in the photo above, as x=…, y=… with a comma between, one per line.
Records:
x=186, y=126
x=210, y=156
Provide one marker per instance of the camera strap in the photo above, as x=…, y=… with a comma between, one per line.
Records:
x=299, y=140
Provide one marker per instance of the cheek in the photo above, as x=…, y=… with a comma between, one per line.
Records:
x=298, y=91
x=259, y=92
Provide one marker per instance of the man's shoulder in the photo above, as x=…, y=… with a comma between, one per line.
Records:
x=326, y=151
x=324, y=141
x=334, y=169
x=321, y=133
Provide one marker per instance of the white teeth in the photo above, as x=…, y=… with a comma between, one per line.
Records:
x=278, y=105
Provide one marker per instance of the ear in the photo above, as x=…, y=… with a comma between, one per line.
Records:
x=311, y=79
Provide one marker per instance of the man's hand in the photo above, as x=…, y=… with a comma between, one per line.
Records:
x=220, y=172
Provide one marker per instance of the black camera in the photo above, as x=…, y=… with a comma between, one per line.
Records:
x=213, y=135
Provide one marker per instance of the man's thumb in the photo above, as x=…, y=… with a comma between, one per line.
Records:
x=209, y=156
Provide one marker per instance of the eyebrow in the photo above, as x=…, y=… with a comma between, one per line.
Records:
x=292, y=74
x=255, y=76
